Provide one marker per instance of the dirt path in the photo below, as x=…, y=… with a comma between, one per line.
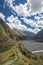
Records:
x=10, y=61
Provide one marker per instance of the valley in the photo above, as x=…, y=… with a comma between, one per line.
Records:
x=34, y=46
x=16, y=50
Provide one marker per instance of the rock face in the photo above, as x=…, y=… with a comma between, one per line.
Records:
x=39, y=36
x=6, y=33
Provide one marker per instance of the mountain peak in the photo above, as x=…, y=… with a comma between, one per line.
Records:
x=39, y=36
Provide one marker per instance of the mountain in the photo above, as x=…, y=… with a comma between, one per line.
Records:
x=8, y=37
x=27, y=35
x=39, y=36
x=16, y=34
x=11, y=33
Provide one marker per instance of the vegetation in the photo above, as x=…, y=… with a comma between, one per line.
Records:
x=12, y=53
x=8, y=37
x=15, y=56
x=41, y=57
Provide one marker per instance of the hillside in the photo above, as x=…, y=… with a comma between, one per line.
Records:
x=19, y=55
x=39, y=36
x=8, y=37
x=11, y=33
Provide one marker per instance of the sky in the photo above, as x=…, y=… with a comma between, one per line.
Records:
x=24, y=15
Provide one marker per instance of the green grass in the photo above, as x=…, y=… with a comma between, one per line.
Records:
x=4, y=48
x=18, y=61
x=21, y=58
x=41, y=57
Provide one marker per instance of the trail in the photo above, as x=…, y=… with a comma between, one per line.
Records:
x=10, y=61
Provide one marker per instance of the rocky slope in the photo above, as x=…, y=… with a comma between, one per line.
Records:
x=39, y=36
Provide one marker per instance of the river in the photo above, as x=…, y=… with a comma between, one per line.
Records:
x=34, y=47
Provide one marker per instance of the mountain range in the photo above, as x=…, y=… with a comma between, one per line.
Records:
x=39, y=36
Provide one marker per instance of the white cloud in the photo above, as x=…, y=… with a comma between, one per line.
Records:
x=14, y=22
x=10, y=19
x=21, y=9
x=40, y=23
x=39, y=17
x=31, y=7
x=36, y=30
x=2, y=16
x=31, y=30
x=19, y=27
x=9, y=2
x=36, y=6
x=30, y=22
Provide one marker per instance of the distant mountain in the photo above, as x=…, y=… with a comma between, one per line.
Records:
x=39, y=36
x=25, y=34
x=28, y=35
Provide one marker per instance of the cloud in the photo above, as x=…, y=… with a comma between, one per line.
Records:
x=9, y=2
x=31, y=7
x=36, y=24
x=2, y=16
x=36, y=6
x=40, y=23
x=14, y=22
x=10, y=19
x=39, y=20
x=31, y=30
x=39, y=17
x=30, y=22
x=36, y=30
x=21, y=10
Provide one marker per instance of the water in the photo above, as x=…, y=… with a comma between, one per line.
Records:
x=33, y=46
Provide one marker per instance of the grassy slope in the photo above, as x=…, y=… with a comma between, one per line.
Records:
x=11, y=33
x=18, y=57
x=8, y=37
x=4, y=40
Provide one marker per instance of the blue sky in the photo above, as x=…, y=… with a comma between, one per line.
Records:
x=23, y=14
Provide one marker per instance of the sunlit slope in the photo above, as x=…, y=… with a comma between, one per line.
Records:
x=19, y=55
x=8, y=37
x=11, y=33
